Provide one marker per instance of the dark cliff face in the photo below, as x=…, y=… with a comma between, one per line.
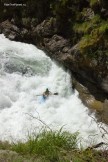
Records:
x=72, y=32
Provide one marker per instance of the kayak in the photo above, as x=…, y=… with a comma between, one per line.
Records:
x=42, y=99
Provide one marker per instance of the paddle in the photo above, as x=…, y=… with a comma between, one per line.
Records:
x=50, y=94
x=55, y=93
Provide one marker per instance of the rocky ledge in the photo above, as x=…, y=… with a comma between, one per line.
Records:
x=88, y=77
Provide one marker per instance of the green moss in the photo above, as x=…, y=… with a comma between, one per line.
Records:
x=96, y=37
x=88, y=26
x=94, y=2
x=93, y=33
x=96, y=19
x=83, y=28
x=89, y=41
x=103, y=28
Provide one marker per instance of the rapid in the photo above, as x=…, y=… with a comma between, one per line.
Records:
x=26, y=72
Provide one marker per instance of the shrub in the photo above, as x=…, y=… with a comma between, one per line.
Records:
x=47, y=144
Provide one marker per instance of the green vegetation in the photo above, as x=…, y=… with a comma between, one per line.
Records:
x=87, y=27
x=50, y=146
x=93, y=35
x=94, y=2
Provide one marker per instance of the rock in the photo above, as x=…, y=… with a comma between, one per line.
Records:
x=12, y=156
x=95, y=104
x=104, y=83
x=9, y=30
x=29, y=23
x=88, y=13
x=12, y=32
x=24, y=31
x=26, y=22
x=86, y=97
x=105, y=111
x=46, y=28
x=65, y=49
x=55, y=44
x=100, y=107
x=12, y=36
x=8, y=25
x=34, y=22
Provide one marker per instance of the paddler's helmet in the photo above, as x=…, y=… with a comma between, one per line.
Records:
x=47, y=90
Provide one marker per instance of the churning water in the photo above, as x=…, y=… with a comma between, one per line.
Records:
x=25, y=72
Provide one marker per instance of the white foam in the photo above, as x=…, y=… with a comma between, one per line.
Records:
x=18, y=98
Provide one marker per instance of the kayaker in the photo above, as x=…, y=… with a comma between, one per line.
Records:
x=46, y=93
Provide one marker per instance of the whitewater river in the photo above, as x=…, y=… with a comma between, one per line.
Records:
x=25, y=72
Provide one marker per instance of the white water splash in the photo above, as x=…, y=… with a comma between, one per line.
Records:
x=25, y=72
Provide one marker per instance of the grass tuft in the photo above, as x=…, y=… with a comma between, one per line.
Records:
x=50, y=146
x=47, y=143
